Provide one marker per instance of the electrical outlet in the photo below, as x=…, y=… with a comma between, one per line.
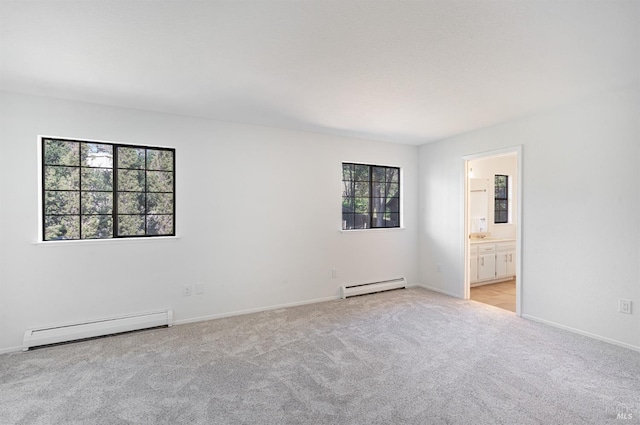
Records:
x=438, y=268
x=187, y=290
x=334, y=273
x=625, y=306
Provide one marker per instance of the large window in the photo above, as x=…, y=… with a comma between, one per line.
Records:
x=370, y=196
x=501, y=199
x=97, y=190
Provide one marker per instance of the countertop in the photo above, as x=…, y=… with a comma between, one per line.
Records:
x=490, y=240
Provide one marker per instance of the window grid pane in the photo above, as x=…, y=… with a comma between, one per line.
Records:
x=146, y=204
x=84, y=196
x=370, y=196
x=501, y=199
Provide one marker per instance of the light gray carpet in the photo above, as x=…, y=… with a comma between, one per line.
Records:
x=401, y=357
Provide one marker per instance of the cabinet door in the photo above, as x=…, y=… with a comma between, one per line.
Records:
x=511, y=263
x=501, y=264
x=473, y=268
x=487, y=266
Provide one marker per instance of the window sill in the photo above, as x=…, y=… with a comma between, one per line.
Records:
x=80, y=242
x=375, y=230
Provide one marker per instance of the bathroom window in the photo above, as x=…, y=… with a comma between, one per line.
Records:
x=99, y=190
x=370, y=196
x=501, y=199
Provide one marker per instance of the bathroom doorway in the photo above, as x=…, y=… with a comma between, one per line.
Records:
x=492, y=223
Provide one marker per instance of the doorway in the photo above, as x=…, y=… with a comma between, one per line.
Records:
x=492, y=228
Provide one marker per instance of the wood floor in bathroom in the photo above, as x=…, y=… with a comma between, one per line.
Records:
x=501, y=294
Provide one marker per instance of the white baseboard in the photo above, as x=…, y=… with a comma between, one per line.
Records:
x=583, y=333
x=431, y=288
x=10, y=349
x=252, y=310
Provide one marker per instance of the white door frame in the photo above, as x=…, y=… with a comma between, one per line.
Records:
x=465, y=182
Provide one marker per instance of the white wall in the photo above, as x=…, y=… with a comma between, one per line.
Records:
x=580, y=218
x=487, y=168
x=258, y=215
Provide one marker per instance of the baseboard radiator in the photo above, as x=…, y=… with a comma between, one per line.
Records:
x=370, y=288
x=95, y=328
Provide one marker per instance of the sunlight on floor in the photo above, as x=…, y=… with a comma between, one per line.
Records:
x=502, y=294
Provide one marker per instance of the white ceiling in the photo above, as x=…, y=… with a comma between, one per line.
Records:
x=394, y=70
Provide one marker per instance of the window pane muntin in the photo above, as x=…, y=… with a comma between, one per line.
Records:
x=96, y=155
x=394, y=220
x=501, y=199
x=362, y=221
x=131, y=180
x=348, y=220
x=97, y=179
x=159, y=224
x=97, y=203
x=362, y=172
x=61, y=178
x=97, y=226
x=61, y=227
x=61, y=202
x=383, y=196
x=378, y=174
x=159, y=181
x=348, y=204
x=348, y=171
x=393, y=175
x=131, y=203
x=361, y=205
x=501, y=186
x=133, y=158
x=348, y=188
x=378, y=189
x=131, y=225
x=60, y=152
x=54, y=178
x=160, y=159
x=392, y=190
x=361, y=189
x=392, y=205
x=159, y=203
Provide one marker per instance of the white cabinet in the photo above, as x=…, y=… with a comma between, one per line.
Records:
x=491, y=261
x=501, y=264
x=473, y=264
x=505, y=259
x=511, y=262
x=506, y=253
x=486, y=261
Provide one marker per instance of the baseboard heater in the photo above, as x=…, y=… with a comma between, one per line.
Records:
x=370, y=288
x=95, y=328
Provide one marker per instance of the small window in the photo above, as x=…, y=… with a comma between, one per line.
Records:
x=501, y=199
x=370, y=196
x=96, y=190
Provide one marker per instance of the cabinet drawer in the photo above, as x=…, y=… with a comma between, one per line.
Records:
x=505, y=246
x=486, y=249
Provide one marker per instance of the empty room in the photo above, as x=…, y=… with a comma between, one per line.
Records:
x=320, y=212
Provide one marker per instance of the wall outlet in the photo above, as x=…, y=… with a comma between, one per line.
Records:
x=438, y=268
x=187, y=290
x=625, y=306
x=199, y=288
x=334, y=273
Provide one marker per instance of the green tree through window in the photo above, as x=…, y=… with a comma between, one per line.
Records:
x=370, y=196
x=501, y=199
x=96, y=190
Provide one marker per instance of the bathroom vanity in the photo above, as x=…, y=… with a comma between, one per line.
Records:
x=491, y=260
